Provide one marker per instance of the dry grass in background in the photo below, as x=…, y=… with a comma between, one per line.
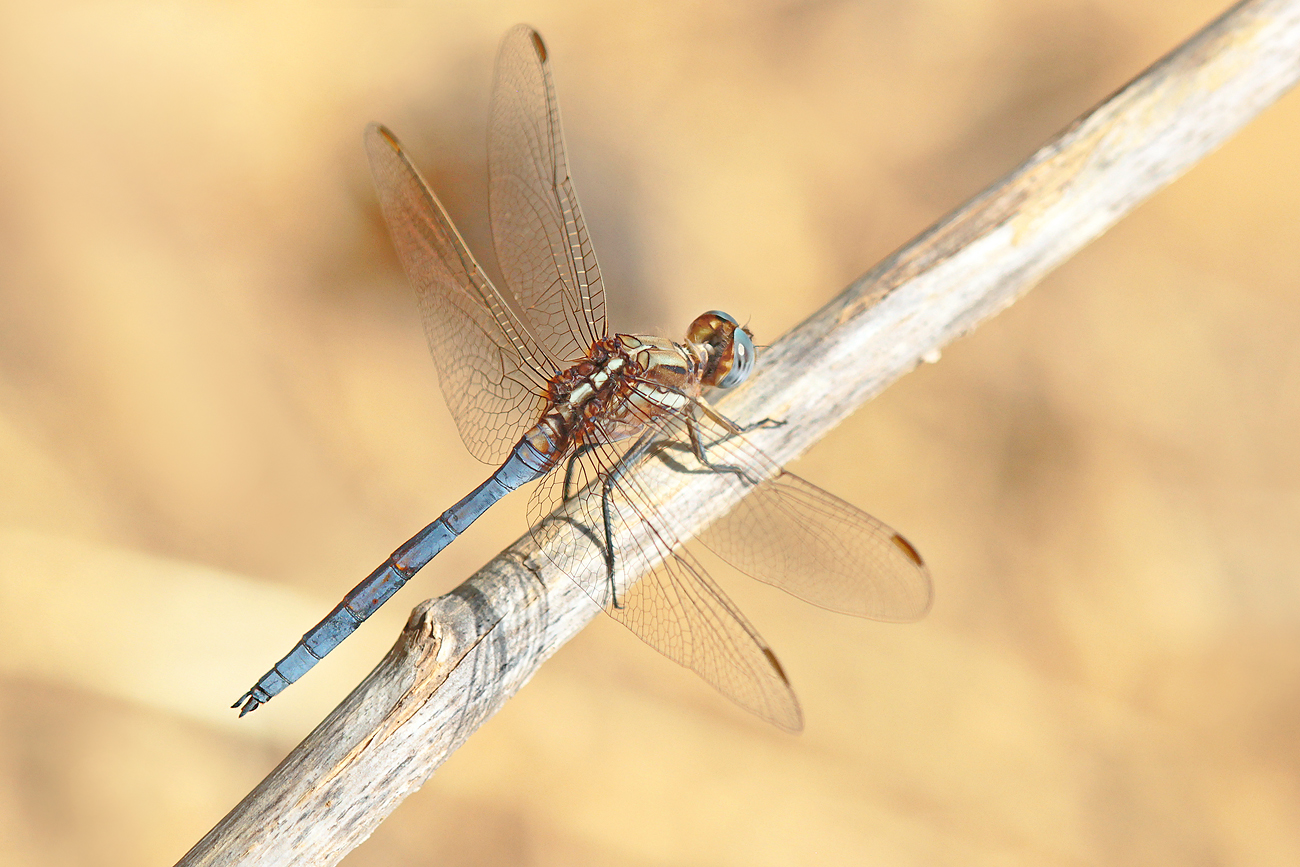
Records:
x=217, y=414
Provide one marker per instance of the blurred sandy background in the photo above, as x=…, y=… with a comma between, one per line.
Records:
x=217, y=413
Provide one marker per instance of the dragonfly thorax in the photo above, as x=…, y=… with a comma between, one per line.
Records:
x=589, y=383
x=624, y=383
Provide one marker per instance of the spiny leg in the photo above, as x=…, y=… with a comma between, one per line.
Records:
x=640, y=448
x=645, y=445
x=697, y=446
x=732, y=429
x=572, y=464
x=763, y=424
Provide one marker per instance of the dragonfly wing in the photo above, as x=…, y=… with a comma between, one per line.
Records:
x=492, y=370
x=541, y=240
x=678, y=610
x=675, y=607
x=791, y=534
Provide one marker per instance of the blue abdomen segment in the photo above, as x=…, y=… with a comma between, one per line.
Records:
x=524, y=464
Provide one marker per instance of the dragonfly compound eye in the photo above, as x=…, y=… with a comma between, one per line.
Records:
x=730, y=348
x=742, y=359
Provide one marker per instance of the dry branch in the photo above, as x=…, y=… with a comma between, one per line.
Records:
x=463, y=655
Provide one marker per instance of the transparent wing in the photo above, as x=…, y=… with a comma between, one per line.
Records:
x=785, y=531
x=492, y=369
x=675, y=607
x=791, y=534
x=541, y=239
x=679, y=611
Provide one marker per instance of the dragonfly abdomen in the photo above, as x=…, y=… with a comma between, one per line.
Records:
x=533, y=456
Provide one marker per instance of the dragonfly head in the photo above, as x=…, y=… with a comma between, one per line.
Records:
x=728, y=348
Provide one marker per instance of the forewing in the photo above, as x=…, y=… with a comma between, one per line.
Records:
x=541, y=240
x=492, y=370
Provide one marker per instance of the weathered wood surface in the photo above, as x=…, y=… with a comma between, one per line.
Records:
x=463, y=655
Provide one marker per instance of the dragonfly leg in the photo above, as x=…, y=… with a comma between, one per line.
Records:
x=569, y=468
x=640, y=448
x=734, y=429
x=763, y=424
x=606, y=512
x=697, y=446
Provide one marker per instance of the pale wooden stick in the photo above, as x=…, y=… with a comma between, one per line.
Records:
x=463, y=655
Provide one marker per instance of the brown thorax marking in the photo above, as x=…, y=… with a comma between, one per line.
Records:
x=624, y=381
x=583, y=390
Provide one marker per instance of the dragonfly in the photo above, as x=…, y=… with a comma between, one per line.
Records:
x=540, y=388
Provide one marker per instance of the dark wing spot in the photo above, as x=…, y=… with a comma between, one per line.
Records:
x=389, y=137
x=539, y=46
x=771, y=657
x=908, y=549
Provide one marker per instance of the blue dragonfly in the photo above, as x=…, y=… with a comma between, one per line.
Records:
x=540, y=388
